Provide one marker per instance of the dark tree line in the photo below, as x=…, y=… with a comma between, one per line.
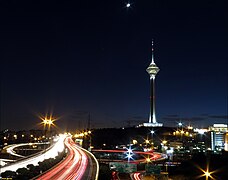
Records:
x=32, y=171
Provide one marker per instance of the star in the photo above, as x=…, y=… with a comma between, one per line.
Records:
x=128, y=5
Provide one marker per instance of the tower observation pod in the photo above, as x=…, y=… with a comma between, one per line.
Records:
x=152, y=70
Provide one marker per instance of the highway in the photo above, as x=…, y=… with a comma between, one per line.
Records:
x=153, y=156
x=58, y=146
x=79, y=164
x=10, y=149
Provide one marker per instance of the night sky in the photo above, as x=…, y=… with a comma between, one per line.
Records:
x=75, y=58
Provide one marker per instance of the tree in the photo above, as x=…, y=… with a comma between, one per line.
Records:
x=8, y=174
x=23, y=173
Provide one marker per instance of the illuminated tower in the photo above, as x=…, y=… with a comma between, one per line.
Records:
x=152, y=71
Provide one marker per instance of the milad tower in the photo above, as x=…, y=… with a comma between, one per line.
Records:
x=152, y=71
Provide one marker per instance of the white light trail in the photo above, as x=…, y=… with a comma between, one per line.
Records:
x=50, y=153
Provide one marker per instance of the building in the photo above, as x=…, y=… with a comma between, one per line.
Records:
x=218, y=136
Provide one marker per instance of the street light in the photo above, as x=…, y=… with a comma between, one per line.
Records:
x=129, y=154
x=47, y=122
x=206, y=172
x=148, y=160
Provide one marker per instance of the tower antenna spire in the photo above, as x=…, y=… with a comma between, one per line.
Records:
x=152, y=50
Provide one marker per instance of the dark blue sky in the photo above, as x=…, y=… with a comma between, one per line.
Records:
x=80, y=57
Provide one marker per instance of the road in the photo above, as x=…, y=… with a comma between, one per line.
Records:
x=10, y=149
x=79, y=164
x=53, y=151
x=153, y=156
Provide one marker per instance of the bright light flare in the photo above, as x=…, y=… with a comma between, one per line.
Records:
x=129, y=150
x=48, y=121
x=206, y=173
x=129, y=154
x=128, y=5
x=180, y=124
x=148, y=159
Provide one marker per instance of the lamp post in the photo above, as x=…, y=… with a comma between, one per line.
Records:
x=47, y=122
x=152, y=135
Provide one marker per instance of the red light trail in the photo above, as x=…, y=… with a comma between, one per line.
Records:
x=153, y=156
x=73, y=167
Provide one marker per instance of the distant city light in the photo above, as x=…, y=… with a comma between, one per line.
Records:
x=180, y=124
x=200, y=131
x=220, y=125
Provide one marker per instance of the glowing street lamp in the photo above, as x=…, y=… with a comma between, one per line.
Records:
x=148, y=160
x=47, y=122
x=129, y=154
x=206, y=172
x=134, y=141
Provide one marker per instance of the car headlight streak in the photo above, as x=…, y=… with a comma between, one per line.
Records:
x=52, y=152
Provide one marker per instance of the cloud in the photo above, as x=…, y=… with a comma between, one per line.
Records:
x=197, y=118
x=173, y=115
x=218, y=116
x=170, y=119
x=138, y=118
x=175, y=118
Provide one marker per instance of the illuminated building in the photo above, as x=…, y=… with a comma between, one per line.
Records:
x=152, y=71
x=226, y=142
x=218, y=137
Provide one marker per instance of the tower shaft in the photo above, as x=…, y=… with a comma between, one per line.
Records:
x=152, y=118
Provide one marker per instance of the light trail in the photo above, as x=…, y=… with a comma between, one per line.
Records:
x=153, y=156
x=9, y=149
x=73, y=167
x=50, y=153
x=136, y=176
